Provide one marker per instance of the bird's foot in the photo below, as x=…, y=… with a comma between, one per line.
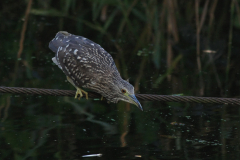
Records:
x=101, y=98
x=86, y=93
x=80, y=93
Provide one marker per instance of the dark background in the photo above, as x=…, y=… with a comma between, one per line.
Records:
x=163, y=46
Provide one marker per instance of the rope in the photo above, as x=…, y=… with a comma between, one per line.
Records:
x=143, y=97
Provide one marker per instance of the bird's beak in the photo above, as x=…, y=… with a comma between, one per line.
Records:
x=134, y=100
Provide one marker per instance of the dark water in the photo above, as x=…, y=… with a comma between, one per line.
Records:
x=64, y=128
x=154, y=43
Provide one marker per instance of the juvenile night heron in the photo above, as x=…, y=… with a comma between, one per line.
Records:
x=86, y=64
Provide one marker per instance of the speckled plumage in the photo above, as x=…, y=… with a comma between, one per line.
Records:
x=89, y=66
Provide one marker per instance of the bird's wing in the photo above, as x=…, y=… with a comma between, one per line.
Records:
x=84, y=50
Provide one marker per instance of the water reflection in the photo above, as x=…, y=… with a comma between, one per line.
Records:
x=77, y=132
x=108, y=128
x=93, y=155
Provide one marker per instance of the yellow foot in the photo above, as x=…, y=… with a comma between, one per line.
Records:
x=86, y=93
x=80, y=93
x=101, y=98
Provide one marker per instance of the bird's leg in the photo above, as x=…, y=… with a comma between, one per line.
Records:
x=80, y=93
x=79, y=90
x=86, y=93
x=101, y=98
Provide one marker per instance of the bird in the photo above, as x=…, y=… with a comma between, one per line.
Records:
x=87, y=65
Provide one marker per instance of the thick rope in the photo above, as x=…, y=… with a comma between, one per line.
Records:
x=143, y=97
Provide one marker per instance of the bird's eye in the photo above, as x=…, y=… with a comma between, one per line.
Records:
x=123, y=91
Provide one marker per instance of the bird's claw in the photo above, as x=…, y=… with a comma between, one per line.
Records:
x=80, y=93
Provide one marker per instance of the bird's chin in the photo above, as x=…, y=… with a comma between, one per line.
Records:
x=114, y=100
x=126, y=100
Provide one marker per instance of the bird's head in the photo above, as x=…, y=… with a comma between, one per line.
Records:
x=125, y=92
